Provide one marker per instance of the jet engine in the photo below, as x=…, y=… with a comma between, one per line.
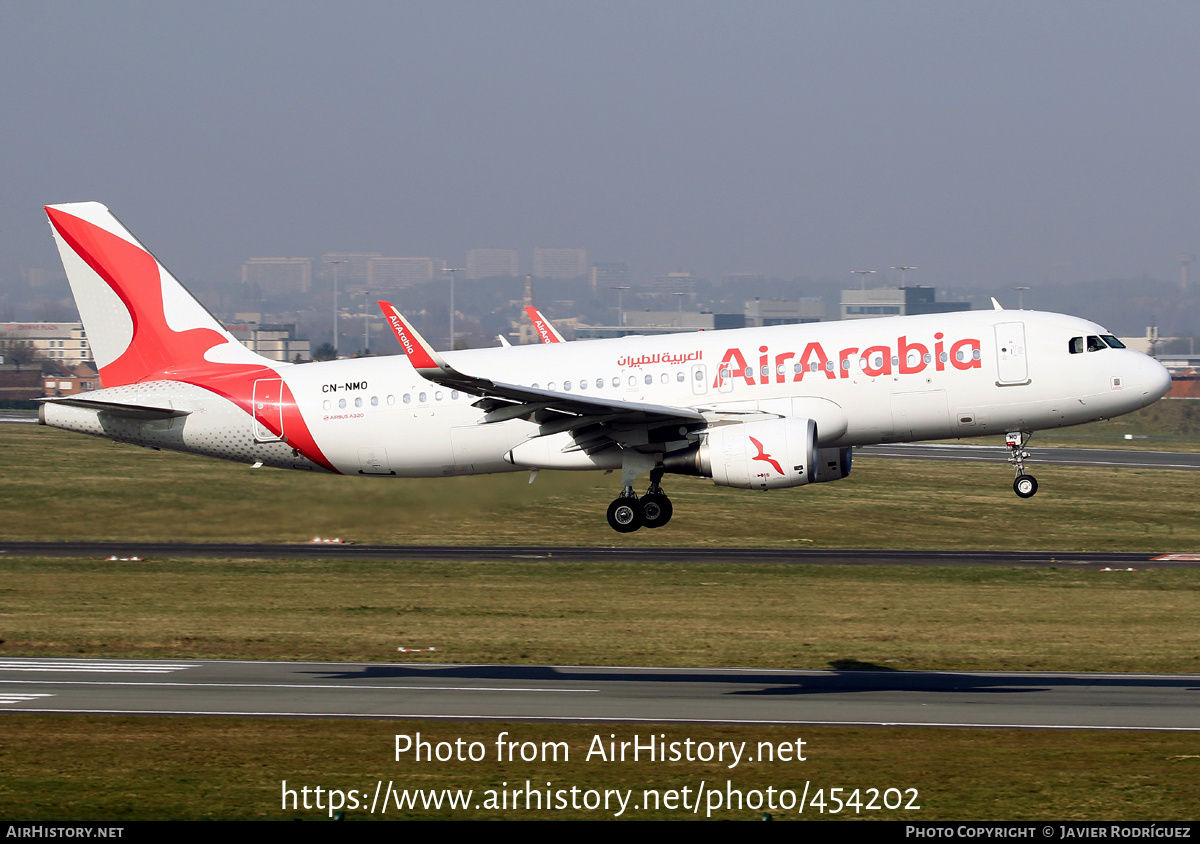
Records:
x=770, y=454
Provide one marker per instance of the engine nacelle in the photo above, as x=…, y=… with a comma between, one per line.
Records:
x=771, y=454
x=833, y=464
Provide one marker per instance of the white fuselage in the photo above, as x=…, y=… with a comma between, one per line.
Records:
x=866, y=381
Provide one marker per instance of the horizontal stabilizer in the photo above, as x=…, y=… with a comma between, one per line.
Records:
x=132, y=411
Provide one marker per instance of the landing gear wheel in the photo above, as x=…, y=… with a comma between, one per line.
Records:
x=1025, y=486
x=625, y=515
x=656, y=509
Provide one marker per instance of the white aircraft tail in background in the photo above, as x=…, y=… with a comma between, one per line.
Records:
x=755, y=408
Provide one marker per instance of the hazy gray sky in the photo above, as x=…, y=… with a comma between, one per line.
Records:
x=989, y=144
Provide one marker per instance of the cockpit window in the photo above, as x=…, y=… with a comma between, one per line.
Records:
x=1095, y=344
x=1112, y=341
x=1076, y=345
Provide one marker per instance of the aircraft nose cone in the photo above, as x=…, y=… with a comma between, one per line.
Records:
x=1153, y=378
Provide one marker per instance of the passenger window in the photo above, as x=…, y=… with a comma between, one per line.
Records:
x=566, y=386
x=327, y=405
x=649, y=379
x=391, y=400
x=616, y=381
x=407, y=398
x=599, y=383
x=421, y=398
x=582, y=384
x=374, y=401
x=679, y=377
x=358, y=402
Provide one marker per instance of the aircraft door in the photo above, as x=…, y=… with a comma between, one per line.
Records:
x=268, y=410
x=1012, y=367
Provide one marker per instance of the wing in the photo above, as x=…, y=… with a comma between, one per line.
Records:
x=595, y=423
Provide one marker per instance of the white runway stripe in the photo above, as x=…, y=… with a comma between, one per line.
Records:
x=6, y=697
x=99, y=666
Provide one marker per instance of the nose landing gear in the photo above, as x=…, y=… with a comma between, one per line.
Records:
x=1025, y=486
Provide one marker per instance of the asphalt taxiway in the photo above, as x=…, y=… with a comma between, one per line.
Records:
x=1048, y=455
x=1091, y=560
x=592, y=694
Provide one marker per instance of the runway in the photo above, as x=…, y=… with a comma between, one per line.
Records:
x=570, y=693
x=1046, y=455
x=1089, y=560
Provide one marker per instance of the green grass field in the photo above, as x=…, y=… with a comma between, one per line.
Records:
x=57, y=485
x=119, y=768
x=542, y=612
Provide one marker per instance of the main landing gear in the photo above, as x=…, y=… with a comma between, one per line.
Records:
x=1025, y=486
x=627, y=513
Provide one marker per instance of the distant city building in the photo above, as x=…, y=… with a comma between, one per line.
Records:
x=674, y=283
x=661, y=322
x=761, y=312
x=673, y=320
x=67, y=381
x=62, y=342
x=276, y=341
x=40, y=277
x=895, y=301
x=394, y=273
x=604, y=276
x=559, y=263
x=489, y=263
x=740, y=279
x=352, y=268
x=277, y=276
x=20, y=384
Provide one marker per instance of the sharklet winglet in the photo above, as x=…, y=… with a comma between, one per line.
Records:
x=420, y=354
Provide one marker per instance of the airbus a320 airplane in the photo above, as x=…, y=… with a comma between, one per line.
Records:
x=755, y=408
